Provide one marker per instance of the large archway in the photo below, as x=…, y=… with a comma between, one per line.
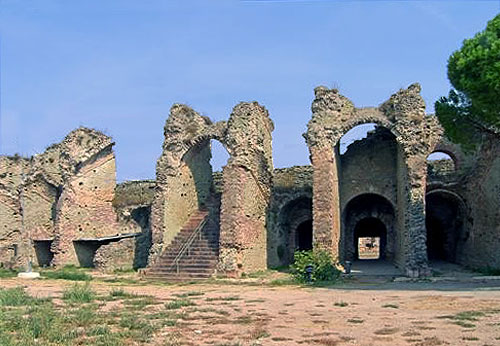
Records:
x=368, y=228
x=445, y=226
x=295, y=228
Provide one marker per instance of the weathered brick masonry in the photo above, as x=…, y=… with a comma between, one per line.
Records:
x=64, y=207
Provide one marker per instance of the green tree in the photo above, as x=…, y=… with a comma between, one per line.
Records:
x=472, y=108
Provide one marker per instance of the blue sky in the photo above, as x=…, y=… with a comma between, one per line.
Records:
x=118, y=66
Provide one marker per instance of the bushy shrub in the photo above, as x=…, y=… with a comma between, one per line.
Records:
x=323, y=266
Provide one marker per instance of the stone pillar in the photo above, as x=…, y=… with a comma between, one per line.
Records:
x=243, y=240
x=326, y=203
x=416, y=249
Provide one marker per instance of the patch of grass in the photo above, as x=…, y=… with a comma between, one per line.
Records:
x=470, y=338
x=178, y=303
x=283, y=282
x=386, y=331
x=259, y=332
x=243, y=320
x=98, y=330
x=14, y=297
x=120, y=293
x=142, y=302
x=68, y=272
x=228, y=298
x=79, y=294
x=140, y=330
x=279, y=338
x=464, y=324
x=124, y=271
x=84, y=316
x=341, y=304
x=7, y=273
x=212, y=310
x=355, y=320
x=189, y=294
x=465, y=318
x=392, y=306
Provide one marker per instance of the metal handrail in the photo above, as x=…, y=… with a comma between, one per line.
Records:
x=186, y=246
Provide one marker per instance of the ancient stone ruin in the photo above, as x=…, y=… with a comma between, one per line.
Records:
x=382, y=198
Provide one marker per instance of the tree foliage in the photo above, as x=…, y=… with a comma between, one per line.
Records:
x=472, y=108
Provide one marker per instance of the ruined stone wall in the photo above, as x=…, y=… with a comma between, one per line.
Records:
x=85, y=207
x=369, y=166
x=132, y=202
x=116, y=255
x=247, y=189
x=188, y=191
x=183, y=173
x=289, y=186
x=138, y=193
x=482, y=195
x=184, y=181
x=39, y=203
x=63, y=194
x=416, y=134
x=13, y=248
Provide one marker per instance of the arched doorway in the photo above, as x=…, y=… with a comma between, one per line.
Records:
x=370, y=239
x=294, y=228
x=368, y=228
x=445, y=226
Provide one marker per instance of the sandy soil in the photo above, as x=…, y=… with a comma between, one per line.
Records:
x=366, y=313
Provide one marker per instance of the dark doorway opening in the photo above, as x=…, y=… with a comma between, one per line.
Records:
x=85, y=252
x=305, y=236
x=43, y=253
x=370, y=239
x=444, y=225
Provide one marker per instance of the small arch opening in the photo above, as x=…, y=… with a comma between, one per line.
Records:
x=440, y=163
x=220, y=156
x=294, y=229
x=368, y=229
x=370, y=238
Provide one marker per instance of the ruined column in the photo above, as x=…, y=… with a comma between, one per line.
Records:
x=326, y=203
x=246, y=192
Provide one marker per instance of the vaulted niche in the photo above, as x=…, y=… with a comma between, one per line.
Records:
x=445, y=226
x=368, y=228
x=295, y=228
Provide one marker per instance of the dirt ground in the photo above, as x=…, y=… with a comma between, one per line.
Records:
x=355, y=313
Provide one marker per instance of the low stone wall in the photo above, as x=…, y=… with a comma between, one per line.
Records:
x=117, y=255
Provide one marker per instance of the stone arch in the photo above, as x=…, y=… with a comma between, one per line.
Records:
x=416, y=134
x=185, y=165
x=292, y=213
x=445, y=224
x=362, y=207
x=451, y=149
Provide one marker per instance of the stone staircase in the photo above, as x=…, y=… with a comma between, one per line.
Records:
x=199, y=259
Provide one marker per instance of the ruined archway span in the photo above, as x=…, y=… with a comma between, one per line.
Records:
x=367, y=206
x=445, y=224
x=364, y=195
x=416, y=134
x=184, y=176
x=450, y=194
x=453, y=150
